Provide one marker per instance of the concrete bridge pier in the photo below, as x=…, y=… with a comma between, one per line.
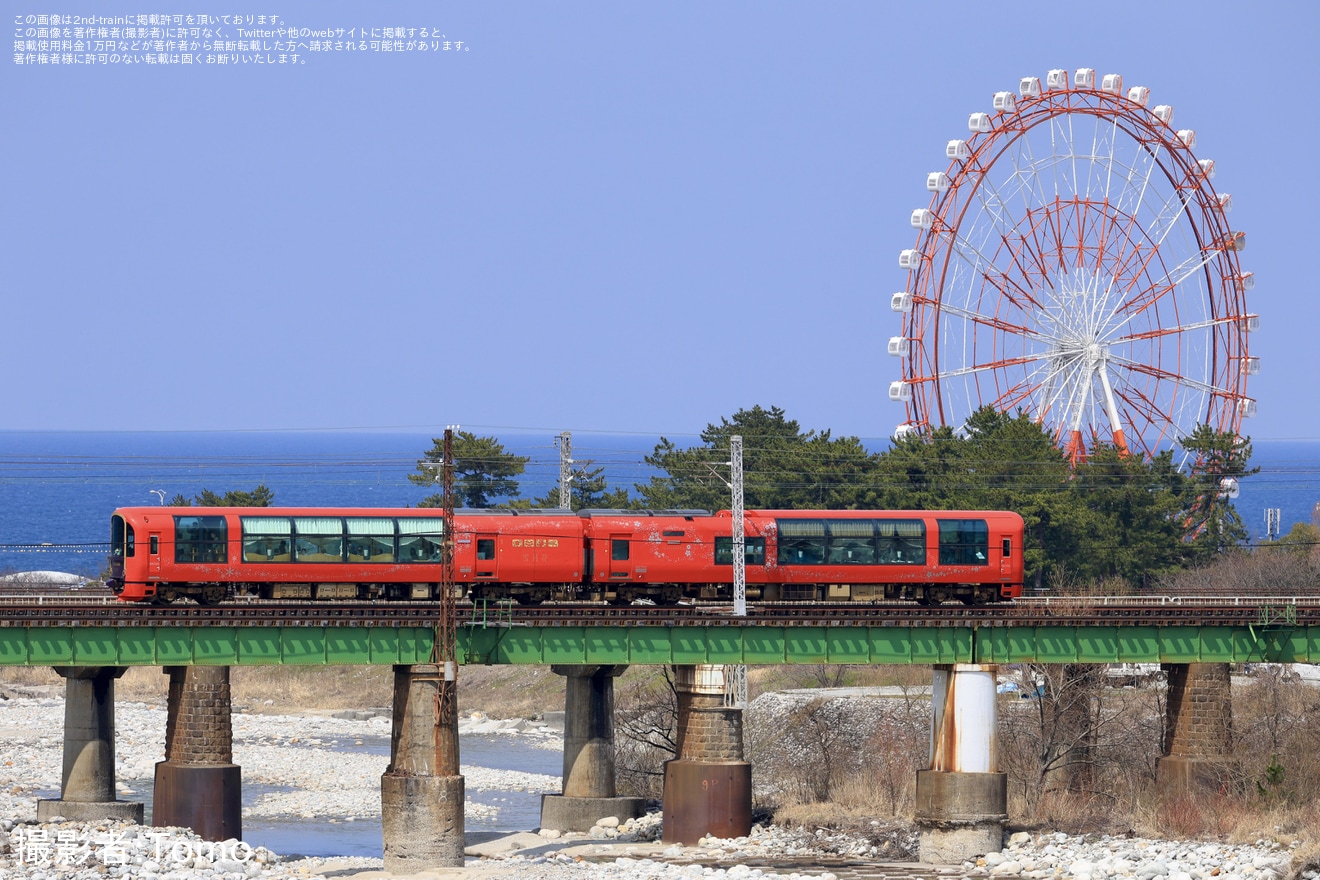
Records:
x=589, y=790
x=198, y=785
x=87, y=782
x=1198, y=728
x=962, y=800
x=421, y=791
x=708, y=787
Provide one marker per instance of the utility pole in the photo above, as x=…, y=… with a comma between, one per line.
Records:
x=565, y=443
x=735, y=693
x=1273, y=522
x=445, y=649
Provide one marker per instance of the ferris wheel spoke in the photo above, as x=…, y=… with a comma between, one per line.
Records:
x=1169, y=376
x=1176, y=330
x=989, y=321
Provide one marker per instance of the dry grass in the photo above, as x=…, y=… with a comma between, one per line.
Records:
x=498, y=691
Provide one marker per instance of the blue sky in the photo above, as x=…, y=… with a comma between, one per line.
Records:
x=618, y=217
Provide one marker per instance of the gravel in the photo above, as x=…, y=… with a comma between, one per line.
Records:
x=312, y=754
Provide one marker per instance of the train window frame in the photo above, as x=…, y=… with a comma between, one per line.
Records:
x=421, y=539
x=123, y=542
x=753, y=550
x=155, y=545
x=318, y=539
x=200, y=539
x=967, y=543
x=850, y=542
x=897, y=537
x=370, y=539
x=485, y=549
x=267, y=538
x=804, y=537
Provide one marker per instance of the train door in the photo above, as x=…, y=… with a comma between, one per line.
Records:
x=621, y=566
x=487, y=563
x=153, y=556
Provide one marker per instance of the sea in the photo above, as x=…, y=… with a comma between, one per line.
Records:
x=57, y=490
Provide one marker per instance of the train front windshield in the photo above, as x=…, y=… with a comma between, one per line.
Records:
x=121, y=538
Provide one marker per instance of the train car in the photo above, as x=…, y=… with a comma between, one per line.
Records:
x=836, y=555
x=211, y=554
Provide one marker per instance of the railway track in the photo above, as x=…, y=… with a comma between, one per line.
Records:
x=1124, y=611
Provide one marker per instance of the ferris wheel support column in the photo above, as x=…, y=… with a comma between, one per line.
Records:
x=1115, y=423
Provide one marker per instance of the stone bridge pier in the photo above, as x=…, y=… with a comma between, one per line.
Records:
x=589, y=791
x=87, y=781
x=962, y=800
x=708, y=787
x=198, y=785
x=1198, y=728
x=421, y=791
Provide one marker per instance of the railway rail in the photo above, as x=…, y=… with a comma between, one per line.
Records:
x=63, y=611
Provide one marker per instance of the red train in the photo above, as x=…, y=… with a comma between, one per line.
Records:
x=210, y=554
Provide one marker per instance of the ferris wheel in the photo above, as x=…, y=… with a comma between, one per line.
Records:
x=1075, y=263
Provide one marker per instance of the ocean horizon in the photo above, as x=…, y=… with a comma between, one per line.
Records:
x=59, y=488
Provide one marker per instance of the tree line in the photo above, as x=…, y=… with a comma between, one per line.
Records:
x=1113, y=517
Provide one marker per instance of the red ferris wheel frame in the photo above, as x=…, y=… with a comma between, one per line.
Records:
x=1093, y=284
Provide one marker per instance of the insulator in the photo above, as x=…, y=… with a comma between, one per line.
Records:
x=900, y=391
x=937, y=181
x=1004, y=102
x=1164, y=113
x=923, y=218
x=1188, y=137
x=1112, y=83
x=909, y=259
x=1207, y=168
x=1139, y=95
x=1056, y=79
x=979, y=123
x=899, y=346
x=1084, y=78
x=1029, y=87
x=901, y=302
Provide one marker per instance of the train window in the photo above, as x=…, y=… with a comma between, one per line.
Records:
x=964, y=542
x=801, y=541
x=753, y=551
x=900, y=542
x=318, y=539
x=619, y=549
x=851, y=542
x=1008, y=548
x=421, y=538
x=485, y=548
x=155, y=544
x=121, y=537
x=200, y=539
x=370, y=538
x=266, y=538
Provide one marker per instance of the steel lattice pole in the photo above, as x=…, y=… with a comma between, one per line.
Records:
x=445, y=649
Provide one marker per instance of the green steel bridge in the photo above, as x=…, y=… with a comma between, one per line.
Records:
x=1071, y=630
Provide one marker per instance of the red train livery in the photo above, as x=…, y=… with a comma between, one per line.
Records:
x=211, y=554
